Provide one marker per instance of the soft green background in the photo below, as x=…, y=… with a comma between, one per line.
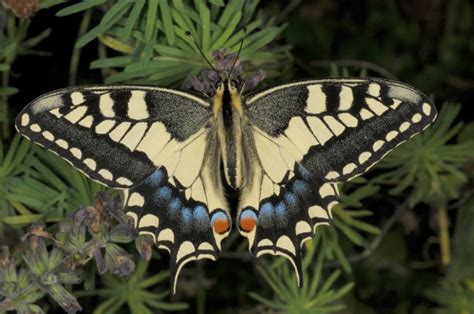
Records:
x=403, y=238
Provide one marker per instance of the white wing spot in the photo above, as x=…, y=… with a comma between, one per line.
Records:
x=76, y=114
x=348, y=119
x=416, y=118
x=265, y=242
x=404, y=126
x=364, y=157
x=326, y=190
x=48, y=135
x=205, y=246
x=349, y=168
x=346, y=98
x=302, y=227
x=135, y=135
x=284, y=242
x=119, y=131
x=374, y=89
x=136, y=199
x=376, y=106
x=35, y=128
x=319, y=129
x=77, y=98
x=90, y=163
x=166, y=235
x=378, y=145
x=365, y=114
x=106, y=174
x=391, y=135
x=426, y=109
x=55, y=112
x=87, y=121
x=124, y=181
x=332, y=175
x=25, y=119
x=316, y=102
x=334, y=125
x=317, y=211
x=186, y=248
x=62, y=143
x=106, y=105
x=76, y=152
x=149, y=220
x=395, y=104
x=137, y=108
x=104, y=127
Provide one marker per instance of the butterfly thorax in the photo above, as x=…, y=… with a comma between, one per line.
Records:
x=228, y=113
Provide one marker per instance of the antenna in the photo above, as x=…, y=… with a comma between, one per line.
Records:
x=238, y=53
x=188, y=33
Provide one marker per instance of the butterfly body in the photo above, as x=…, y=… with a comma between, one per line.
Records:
x=284, y=149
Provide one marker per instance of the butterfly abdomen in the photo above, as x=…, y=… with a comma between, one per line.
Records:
x=229, y=123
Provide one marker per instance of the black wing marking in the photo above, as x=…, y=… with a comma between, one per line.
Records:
x=116, y=135
x=305, y=137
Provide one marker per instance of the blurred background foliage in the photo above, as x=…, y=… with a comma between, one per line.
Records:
x=402, y=239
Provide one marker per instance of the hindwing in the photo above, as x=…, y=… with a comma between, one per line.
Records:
x=157, y=145
x=306, y=137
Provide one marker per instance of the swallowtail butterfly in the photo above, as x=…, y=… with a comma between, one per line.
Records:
x=173, y=152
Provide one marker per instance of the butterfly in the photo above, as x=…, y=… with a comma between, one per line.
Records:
x=173, y=152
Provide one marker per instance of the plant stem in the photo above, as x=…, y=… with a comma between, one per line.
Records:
x=445, y=245
x=4, y=107
x=76, y=53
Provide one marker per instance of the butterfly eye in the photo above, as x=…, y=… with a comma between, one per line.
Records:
x=233, y=83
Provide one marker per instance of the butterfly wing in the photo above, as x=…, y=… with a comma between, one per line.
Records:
x=150, y=142
x=307, y=137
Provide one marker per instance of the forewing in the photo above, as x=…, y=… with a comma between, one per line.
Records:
x=115, y=135
x=303, y=139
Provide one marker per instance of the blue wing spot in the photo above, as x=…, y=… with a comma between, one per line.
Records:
x=305, y=174
x=175, y=204
x=300, y=187
x=281, y=215
x=187, y=215
x=280, y=209
x=265, y=215
x=155, y=178
x=291, y=199
x=200, y=213
x=165, y=193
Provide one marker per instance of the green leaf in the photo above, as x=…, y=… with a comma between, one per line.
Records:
x=132, y=19
x=151, y=19
x=8, y=91
x=168, y=27
x=22, y=220
x=78, y=7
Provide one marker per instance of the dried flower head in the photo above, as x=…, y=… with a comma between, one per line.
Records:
x=22, y=8
x=227, y=66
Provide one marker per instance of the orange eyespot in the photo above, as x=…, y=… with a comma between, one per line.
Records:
x=220, y=223
x=247, y=221
x=221, y=226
